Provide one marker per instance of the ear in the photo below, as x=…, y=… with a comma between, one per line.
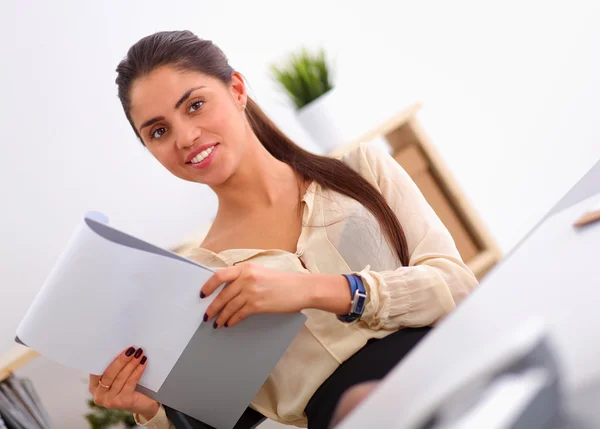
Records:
x=238, y=90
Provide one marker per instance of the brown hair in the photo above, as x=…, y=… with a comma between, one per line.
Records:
x=185, y=51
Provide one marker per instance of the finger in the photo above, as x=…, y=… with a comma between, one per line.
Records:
x=125, y=373
x=239, y=315
x=108, y=378
x=99, y=394
x=133, y=380
x=223, y=298
x=93, y=383
x=229, y=310
x=226, y=275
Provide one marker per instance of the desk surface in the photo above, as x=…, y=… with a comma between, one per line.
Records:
x=550, y=274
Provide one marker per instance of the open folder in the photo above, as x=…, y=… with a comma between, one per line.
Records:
x=109, y=290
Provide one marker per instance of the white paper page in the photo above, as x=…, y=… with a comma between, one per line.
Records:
x=591, y=205
x=102, y=297
x=596, y=206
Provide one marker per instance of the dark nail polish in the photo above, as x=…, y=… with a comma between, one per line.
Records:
x=129, y=351
x=226, y=325
x=215, y=325
x=202, y=295
x=138, y=353
x=205, y=317
x=143, y=361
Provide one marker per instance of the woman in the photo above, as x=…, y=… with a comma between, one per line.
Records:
x=351, y=243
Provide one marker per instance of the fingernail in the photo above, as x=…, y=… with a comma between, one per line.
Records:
x=205, y=317
x=215, y=325
x=138, y=353
x=202, y=295
x=129, y=351
x=226, y=325
x=143, y=361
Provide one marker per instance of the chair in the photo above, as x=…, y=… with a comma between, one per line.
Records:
x=249, y=420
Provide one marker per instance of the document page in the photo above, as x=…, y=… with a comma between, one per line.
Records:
x=109, y=291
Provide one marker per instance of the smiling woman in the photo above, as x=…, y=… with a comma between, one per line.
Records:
x=182, y=118
x=349, y=242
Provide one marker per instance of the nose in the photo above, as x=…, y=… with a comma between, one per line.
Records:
x=187, y=136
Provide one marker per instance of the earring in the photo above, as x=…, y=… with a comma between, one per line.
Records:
x=243, y=107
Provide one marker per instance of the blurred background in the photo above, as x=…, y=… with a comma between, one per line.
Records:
x=509, y=94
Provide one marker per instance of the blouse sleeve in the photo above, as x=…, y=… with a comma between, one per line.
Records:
x=436, y=279
x=159, y=421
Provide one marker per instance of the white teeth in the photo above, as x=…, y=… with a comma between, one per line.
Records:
x=202, y=155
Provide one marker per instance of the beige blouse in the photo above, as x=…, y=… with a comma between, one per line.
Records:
x=341, y=236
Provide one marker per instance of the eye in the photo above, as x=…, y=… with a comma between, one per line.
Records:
x=196, y=105
x=157, y=133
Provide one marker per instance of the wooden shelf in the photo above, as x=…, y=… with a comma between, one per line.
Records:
x=15, y=358
x=413, y=150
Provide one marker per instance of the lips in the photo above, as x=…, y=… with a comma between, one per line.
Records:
x=200, y=153
x=204, y=158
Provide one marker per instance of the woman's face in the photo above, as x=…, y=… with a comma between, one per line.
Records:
x=193, y=124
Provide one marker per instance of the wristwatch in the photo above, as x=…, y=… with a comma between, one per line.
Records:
x=359, y=298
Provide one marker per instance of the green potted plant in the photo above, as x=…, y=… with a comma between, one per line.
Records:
x=306, y=78
x=104, y=418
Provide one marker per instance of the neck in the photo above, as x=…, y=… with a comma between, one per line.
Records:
x=260, y=182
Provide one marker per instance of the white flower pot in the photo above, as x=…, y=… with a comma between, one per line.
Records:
x=321, y=123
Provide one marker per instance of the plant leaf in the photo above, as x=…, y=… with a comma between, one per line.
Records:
x=304, y=76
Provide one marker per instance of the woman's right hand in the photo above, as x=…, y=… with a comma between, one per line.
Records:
x=116, y=387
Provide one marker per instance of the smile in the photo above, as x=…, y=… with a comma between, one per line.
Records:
x=201, y=156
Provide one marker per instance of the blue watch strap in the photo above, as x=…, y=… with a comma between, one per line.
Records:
x=360, y=285
x=357, y=287
x=353, y=286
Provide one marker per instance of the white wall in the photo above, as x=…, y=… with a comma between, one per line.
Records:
x=511, y=95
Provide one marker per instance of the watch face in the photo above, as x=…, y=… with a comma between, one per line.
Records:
x=360, y=305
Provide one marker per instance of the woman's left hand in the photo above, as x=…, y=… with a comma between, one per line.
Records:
x=256, y=289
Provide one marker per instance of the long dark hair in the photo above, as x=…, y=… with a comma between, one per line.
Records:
x=185, y=51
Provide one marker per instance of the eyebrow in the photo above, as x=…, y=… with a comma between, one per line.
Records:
x=187, y=95
x=151, y=121
x=183, y=98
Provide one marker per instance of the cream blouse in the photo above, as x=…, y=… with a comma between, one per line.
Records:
x=341, y=236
